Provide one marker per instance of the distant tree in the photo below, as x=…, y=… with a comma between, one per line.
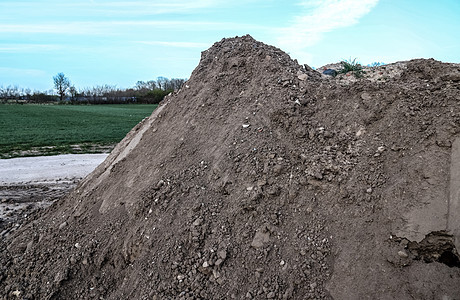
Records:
x=73, y=94
x=41, y=97
x=61, y=84
x=162, y=82
x=140, y=85
x=153, y=97
x=27, y=92
x=177, y=83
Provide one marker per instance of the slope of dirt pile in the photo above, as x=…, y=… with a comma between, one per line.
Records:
x=262, y=180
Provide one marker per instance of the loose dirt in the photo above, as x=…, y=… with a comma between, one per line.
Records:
x=263, y=179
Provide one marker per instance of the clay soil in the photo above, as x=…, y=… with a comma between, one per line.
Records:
x=262, y=179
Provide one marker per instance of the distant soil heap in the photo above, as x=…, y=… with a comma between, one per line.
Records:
x=263, y=179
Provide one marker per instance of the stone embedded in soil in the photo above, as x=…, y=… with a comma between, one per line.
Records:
x=261, y=237
x=403, y=254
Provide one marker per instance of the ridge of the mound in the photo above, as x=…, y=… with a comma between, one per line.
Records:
x=261, y=180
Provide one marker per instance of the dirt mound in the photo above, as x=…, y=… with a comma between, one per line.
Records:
x=262, y=180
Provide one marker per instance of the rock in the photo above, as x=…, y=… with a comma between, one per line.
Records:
x=261, y=237
x=369, y=190
x=261, y=182
x=271, y=295
x=330, y=72
x=278, y=169
x=197, y=222
x=403, y=254
x=180, y=277
x=29, y=246
x=318, y=175
x=360, y=132
x=16, y=293
x=451, y=77
x=222, y=254
x=64, y=224
x=366, y=96
x=302, y=77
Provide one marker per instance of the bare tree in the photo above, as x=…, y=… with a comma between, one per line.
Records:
x=73, y=94
x=162, y=82
x=61, y=84
x=177, y=83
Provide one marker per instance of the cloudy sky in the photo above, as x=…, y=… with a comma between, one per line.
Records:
x=119, y=42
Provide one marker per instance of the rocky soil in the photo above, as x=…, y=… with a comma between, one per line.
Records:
x=18, y=201
x=263, y=179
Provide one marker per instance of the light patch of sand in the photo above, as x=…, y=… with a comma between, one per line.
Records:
x=48, y=168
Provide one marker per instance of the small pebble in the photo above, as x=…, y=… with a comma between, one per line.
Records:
x=403, y=254
x=222, y=254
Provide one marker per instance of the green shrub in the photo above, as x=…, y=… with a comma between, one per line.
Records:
x=351, y=66
x=153, y=97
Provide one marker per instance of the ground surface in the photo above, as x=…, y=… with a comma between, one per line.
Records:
x=30, y=183
x=31, y=129
x=263, y=179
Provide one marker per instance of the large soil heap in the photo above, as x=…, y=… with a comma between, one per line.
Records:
x=262, y=179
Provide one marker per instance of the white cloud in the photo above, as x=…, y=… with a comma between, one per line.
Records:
x=15, y=48
x=94, y=27
x=117, y=27
x=320, y=17
x=15, y=72
x=139, y=8
x=110, y=8
x=176, y=44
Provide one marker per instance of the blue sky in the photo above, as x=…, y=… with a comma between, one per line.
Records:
x=119, y=42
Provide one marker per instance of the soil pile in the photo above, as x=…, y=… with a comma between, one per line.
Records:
x=260, y=179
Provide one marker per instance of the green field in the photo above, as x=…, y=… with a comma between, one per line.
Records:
x=30, y=129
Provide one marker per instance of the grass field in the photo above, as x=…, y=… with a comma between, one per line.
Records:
x=30, y=129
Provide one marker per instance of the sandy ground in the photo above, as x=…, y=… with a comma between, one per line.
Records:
x=29, y=183
x=48, y=168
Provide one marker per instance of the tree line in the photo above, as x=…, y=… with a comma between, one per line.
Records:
x=152, y=92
